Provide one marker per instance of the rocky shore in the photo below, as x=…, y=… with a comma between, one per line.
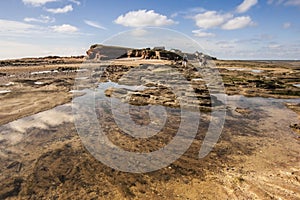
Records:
x=256, y=157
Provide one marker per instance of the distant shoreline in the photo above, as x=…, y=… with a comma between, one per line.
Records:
x=42, y=57
x=82, y=56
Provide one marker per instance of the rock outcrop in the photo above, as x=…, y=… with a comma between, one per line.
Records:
x=148, y=53
x=102, y=52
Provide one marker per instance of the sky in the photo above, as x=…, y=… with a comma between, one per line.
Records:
x=236, y=29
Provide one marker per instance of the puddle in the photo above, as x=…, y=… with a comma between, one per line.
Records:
x=4, y=91
x=39, y=83
x=16, y=136
x=242, y=69
x=81, y=78
x=43, y=72
x=259, y=102
x=197, y=79
x=279, y=116
x=81, y=70
x=106, y=85
x=235, y=69
x=75, y=91
x=13, y=132
x=42, y=120
x=75, y=70
x=9, y=84
x=257, y=71
x=297, y=85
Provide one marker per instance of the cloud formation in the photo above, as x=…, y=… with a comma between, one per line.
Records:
x=37, y=3
x=9, y=26
x=67, y=8
x=16, y=28
x=94, y=24
x=285, y=2
x=65, y=28
x=75, y=2
x=201, y=33
x=214, y=19
x=238, y=23
x=246, y=5
x=211, y=19
x=138, y=32
x=293, y=3
x=142, y=18
x=41, y=19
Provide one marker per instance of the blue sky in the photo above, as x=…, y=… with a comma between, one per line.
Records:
x=236, y=29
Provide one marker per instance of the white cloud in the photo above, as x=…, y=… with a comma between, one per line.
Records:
x=37, y=3
x=41, y=19
x=67, y=8
x=211, y=19
x=246, y=5
x=201, y=33
x=8, y=26
x=285, y=2
x=214, y=19
x=76, y=2
x=65, y=28
x=277, y=2
x=274, y=46
x=286, y=25
x=238, y=23
x=293, y=3
x=142, y=18
x=188, y=13
x=235, y=49
x=196, y=10
x=139, y=32
x=21, y=30
x=94, y=24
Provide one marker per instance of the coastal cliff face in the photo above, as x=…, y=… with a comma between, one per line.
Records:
x=98, y=51
x=103, y=52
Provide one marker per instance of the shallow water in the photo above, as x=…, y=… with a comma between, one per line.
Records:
x=297, y=85
x=58, y=115
x=17, y=130
x=108, y=110
x=9, y=84
x=103, y=86
x=5, y=91
x=197, y=79
x=235, y=69
x=39, y=83
x=257, y=71
x=44, y=72
x=245, y=69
